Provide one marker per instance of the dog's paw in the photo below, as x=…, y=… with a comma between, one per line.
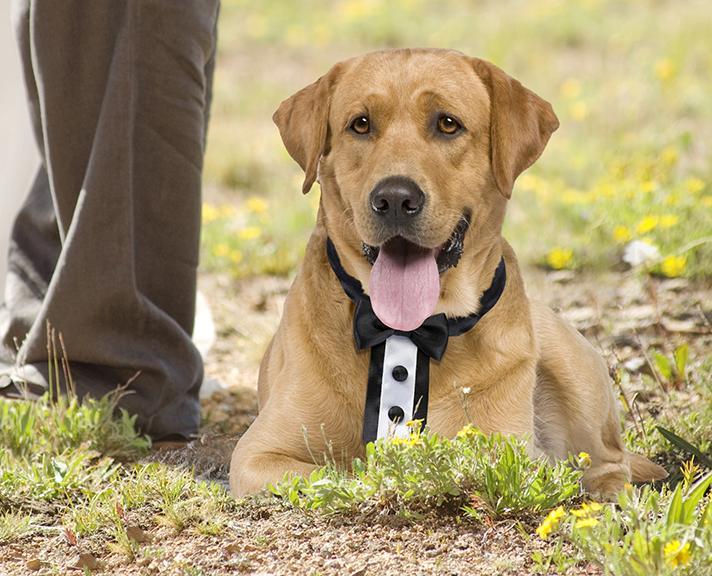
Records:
x=604, y=481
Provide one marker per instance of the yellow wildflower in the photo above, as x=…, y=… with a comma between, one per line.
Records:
x=677, y=554
x=648, y=185
x=550, y=523
x=621, y=234
x=574, y=196
x=665, y=69
x=673, y=266
x=585, y=523
x=647, y=224
x=250, y=233
x=669, y=155
x=607, y=190
x=672, y=199
x=668, y=220
x=544, y=529
x=210, y=213
x=235, y=256
x=587, y=509
x=296, y=35
x=529, y=182
x=221, y=250
x=560, y=258
x=694, y=185
x=467, y=431
x=571, y=89
x=579, y=111
x=226, y=211
x=356, y=10
x=584, y=459
x=412, y=440
x=256, y=204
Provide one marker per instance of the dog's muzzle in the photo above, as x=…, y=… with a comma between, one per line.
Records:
x=450, y=252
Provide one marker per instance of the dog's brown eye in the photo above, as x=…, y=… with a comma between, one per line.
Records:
x=361, y=125
x=448, y=125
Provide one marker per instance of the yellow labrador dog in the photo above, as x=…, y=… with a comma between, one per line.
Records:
x=416, y=153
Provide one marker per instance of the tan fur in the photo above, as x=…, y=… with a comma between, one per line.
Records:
x=529, y=373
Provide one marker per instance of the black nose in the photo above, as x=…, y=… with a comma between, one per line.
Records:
x=397, y=199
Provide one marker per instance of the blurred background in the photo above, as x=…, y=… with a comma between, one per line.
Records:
x=625, y=180
x=626, y=176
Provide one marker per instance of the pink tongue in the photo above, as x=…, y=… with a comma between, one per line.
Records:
x=404, y=285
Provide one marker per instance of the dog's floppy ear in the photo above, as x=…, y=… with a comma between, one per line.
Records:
x=303, y=121
x=520, y=124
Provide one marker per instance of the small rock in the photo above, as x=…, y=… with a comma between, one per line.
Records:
x=137, y=534
x=634, y=364
x=86, y=560
x=561, y=276
x=683, y=326
x=34, y=564
x=675, y=284
x=218, y=415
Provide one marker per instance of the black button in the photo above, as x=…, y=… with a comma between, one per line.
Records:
x=400, y=373
x=395, y=413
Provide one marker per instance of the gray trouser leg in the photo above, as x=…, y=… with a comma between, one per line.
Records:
x=106, y=246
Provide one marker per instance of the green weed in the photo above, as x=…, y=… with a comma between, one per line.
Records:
x=473, y=472
x=69, y=457
x=14, y=525
x=647, y=534
x=673, y=370
x=53, y=426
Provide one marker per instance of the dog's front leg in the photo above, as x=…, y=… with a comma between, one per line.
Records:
x=265, y=454
x=294, y=434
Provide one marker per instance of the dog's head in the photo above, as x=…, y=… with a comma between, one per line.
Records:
x=416, y=152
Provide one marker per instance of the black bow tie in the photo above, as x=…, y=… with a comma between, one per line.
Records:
x=432, y=336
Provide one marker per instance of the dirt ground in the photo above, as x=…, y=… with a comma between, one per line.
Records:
x=621, y=313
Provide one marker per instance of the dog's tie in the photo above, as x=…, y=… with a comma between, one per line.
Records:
x=400, y=361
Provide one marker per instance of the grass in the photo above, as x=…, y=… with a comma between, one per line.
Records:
x=472, y=472
x=76, y=468
x=70, y=464
x=628, y=80
x=685, y=410
x=647, y=532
